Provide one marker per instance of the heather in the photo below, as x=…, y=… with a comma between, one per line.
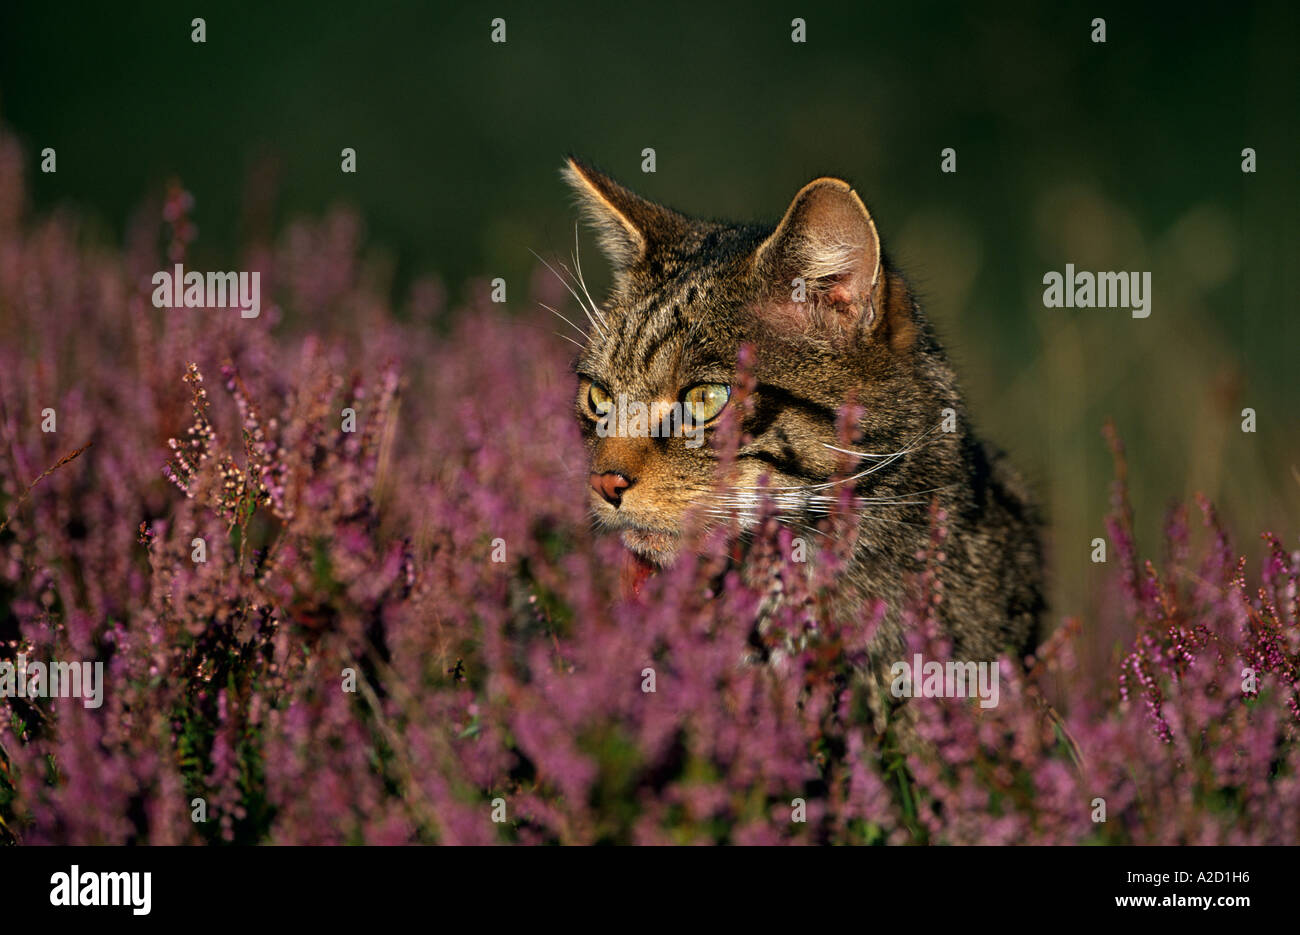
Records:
x=351, y=663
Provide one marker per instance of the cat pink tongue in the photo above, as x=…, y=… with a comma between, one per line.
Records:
x=636, y=571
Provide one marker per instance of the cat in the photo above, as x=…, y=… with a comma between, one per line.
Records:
x=830, y=322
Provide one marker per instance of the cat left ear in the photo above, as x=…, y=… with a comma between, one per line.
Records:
x=828, y=239
x=629, y=227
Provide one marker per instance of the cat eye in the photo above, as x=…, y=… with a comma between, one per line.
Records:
x=599, y=400
x=705, y=401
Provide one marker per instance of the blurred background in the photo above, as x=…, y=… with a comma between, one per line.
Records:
x=1117, y=156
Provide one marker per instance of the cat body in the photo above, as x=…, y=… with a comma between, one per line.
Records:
x=830, y=323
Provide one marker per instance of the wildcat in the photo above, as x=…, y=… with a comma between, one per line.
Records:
x=830, y=322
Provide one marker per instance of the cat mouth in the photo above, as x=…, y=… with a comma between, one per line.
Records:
x=636, y=571
x=648, y=552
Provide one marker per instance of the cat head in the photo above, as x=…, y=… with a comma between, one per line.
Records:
x=828, y=325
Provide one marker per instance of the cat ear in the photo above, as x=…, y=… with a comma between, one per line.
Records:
x=628, y=226
x=828, y=240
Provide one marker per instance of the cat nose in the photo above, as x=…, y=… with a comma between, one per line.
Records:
x=610, y=485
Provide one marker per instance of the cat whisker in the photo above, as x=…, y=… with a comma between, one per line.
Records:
x=813, y=505
x=886, y=462
x=589, y=306
x=888, y=499
x=754, y=518
x=563, y=319
x=582, y=281
x=873, y=518
x=556, y=333
x=570, y=340
x=859, y=454
x=577, y=298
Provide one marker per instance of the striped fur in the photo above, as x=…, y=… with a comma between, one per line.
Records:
x=688, y=293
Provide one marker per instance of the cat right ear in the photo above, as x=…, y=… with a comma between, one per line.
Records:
x=827, y=240
x=628, y=227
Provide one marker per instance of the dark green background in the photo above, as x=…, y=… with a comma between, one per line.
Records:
x=1123, y=156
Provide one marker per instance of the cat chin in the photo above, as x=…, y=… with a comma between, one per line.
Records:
x=657, y=548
